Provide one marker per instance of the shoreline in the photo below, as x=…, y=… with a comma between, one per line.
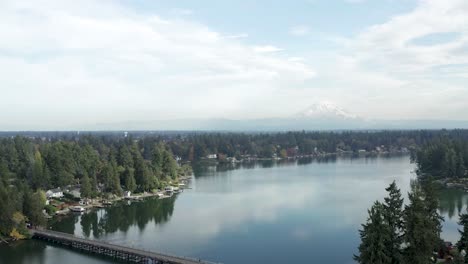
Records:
x=101, y=203
x=306, y=156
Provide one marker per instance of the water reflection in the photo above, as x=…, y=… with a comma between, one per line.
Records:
x=15, y=252
x=203, y=169
x=120, y=218
x=288, y=211
x=453, y=202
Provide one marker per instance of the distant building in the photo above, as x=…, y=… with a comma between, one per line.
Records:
x=127, y=193
x=212, y=156
x=54, y=193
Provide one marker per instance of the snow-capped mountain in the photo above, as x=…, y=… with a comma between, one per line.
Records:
x=326, y=110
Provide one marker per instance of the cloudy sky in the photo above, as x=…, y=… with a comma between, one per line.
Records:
x=70, y=63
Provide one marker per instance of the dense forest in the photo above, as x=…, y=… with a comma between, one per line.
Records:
x=409, y=234
x=191, y=146
x=113, y=162
x=443, y=158
x=98, y=164
x=194, y=146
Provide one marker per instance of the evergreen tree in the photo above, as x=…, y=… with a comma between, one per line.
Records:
x=393, y=215
x=86, y=187
x=115, y=185
x=157, y=157
x=431, y=201
x=129, y=175
x=32, y=207
x=94, y=186
x=374, y=235
x=143, y=175
x=422, y=226
x=38, y=179
x=462, y=244
x=460, y=166
x=169, y=165
x=7, y=209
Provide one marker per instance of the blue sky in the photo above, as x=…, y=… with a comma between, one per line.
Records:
x=69, y=64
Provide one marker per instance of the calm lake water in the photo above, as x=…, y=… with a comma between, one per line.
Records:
x=287, y=212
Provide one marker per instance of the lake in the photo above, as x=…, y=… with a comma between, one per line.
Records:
x=267, y=212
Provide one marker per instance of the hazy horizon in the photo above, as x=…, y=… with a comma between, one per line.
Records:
x=70, y=65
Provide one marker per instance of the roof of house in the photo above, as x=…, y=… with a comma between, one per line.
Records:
x=56, y=190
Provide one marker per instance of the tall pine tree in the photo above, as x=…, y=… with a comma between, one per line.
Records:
x=422, y=225
x=374, y=235
x=393, y=214
x=86, y=187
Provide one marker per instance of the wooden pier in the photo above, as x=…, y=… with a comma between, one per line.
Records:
x=111, y=250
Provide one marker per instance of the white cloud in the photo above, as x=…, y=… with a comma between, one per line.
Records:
x=387, y=75
x=96, y=61
x=391, y=44
x=66, y=63
x=300, y=30
x=238, y=36
x=266, y=49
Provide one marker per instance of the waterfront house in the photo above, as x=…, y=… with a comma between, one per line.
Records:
x=75, y=192
x=54, y=193
x=212, y=156
x=127, y=193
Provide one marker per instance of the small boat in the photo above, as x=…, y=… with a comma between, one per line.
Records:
x=77, y=209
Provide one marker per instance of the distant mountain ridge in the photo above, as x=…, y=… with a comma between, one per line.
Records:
x=326, y=109
x=319, y=116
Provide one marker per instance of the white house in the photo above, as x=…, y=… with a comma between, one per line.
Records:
x=212, y=156
x=54, y=193
x=127, y=193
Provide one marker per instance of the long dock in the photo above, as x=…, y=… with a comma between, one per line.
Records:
x=111, y=250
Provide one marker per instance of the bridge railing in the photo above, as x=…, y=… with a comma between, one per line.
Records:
x=104, y=243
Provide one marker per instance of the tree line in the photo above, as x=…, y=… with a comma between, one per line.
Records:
x=98, y=164
x=266, y=145
x=396, y=233
x=192, y=146
x=443, y=158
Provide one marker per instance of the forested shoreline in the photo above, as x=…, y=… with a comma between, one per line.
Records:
x=113, y=162
x=394, y=233
x=98, y=165
x=409, y=234
x=193, y=146
x=444, y=158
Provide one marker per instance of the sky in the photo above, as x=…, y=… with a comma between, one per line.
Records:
x=66, y=63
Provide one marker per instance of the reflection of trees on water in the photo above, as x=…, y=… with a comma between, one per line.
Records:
x=452, y=202
x=203, y=169
x=120, y=217
x=23, y=252
x=64, y=224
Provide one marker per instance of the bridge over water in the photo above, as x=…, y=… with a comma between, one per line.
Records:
x=111, y=250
